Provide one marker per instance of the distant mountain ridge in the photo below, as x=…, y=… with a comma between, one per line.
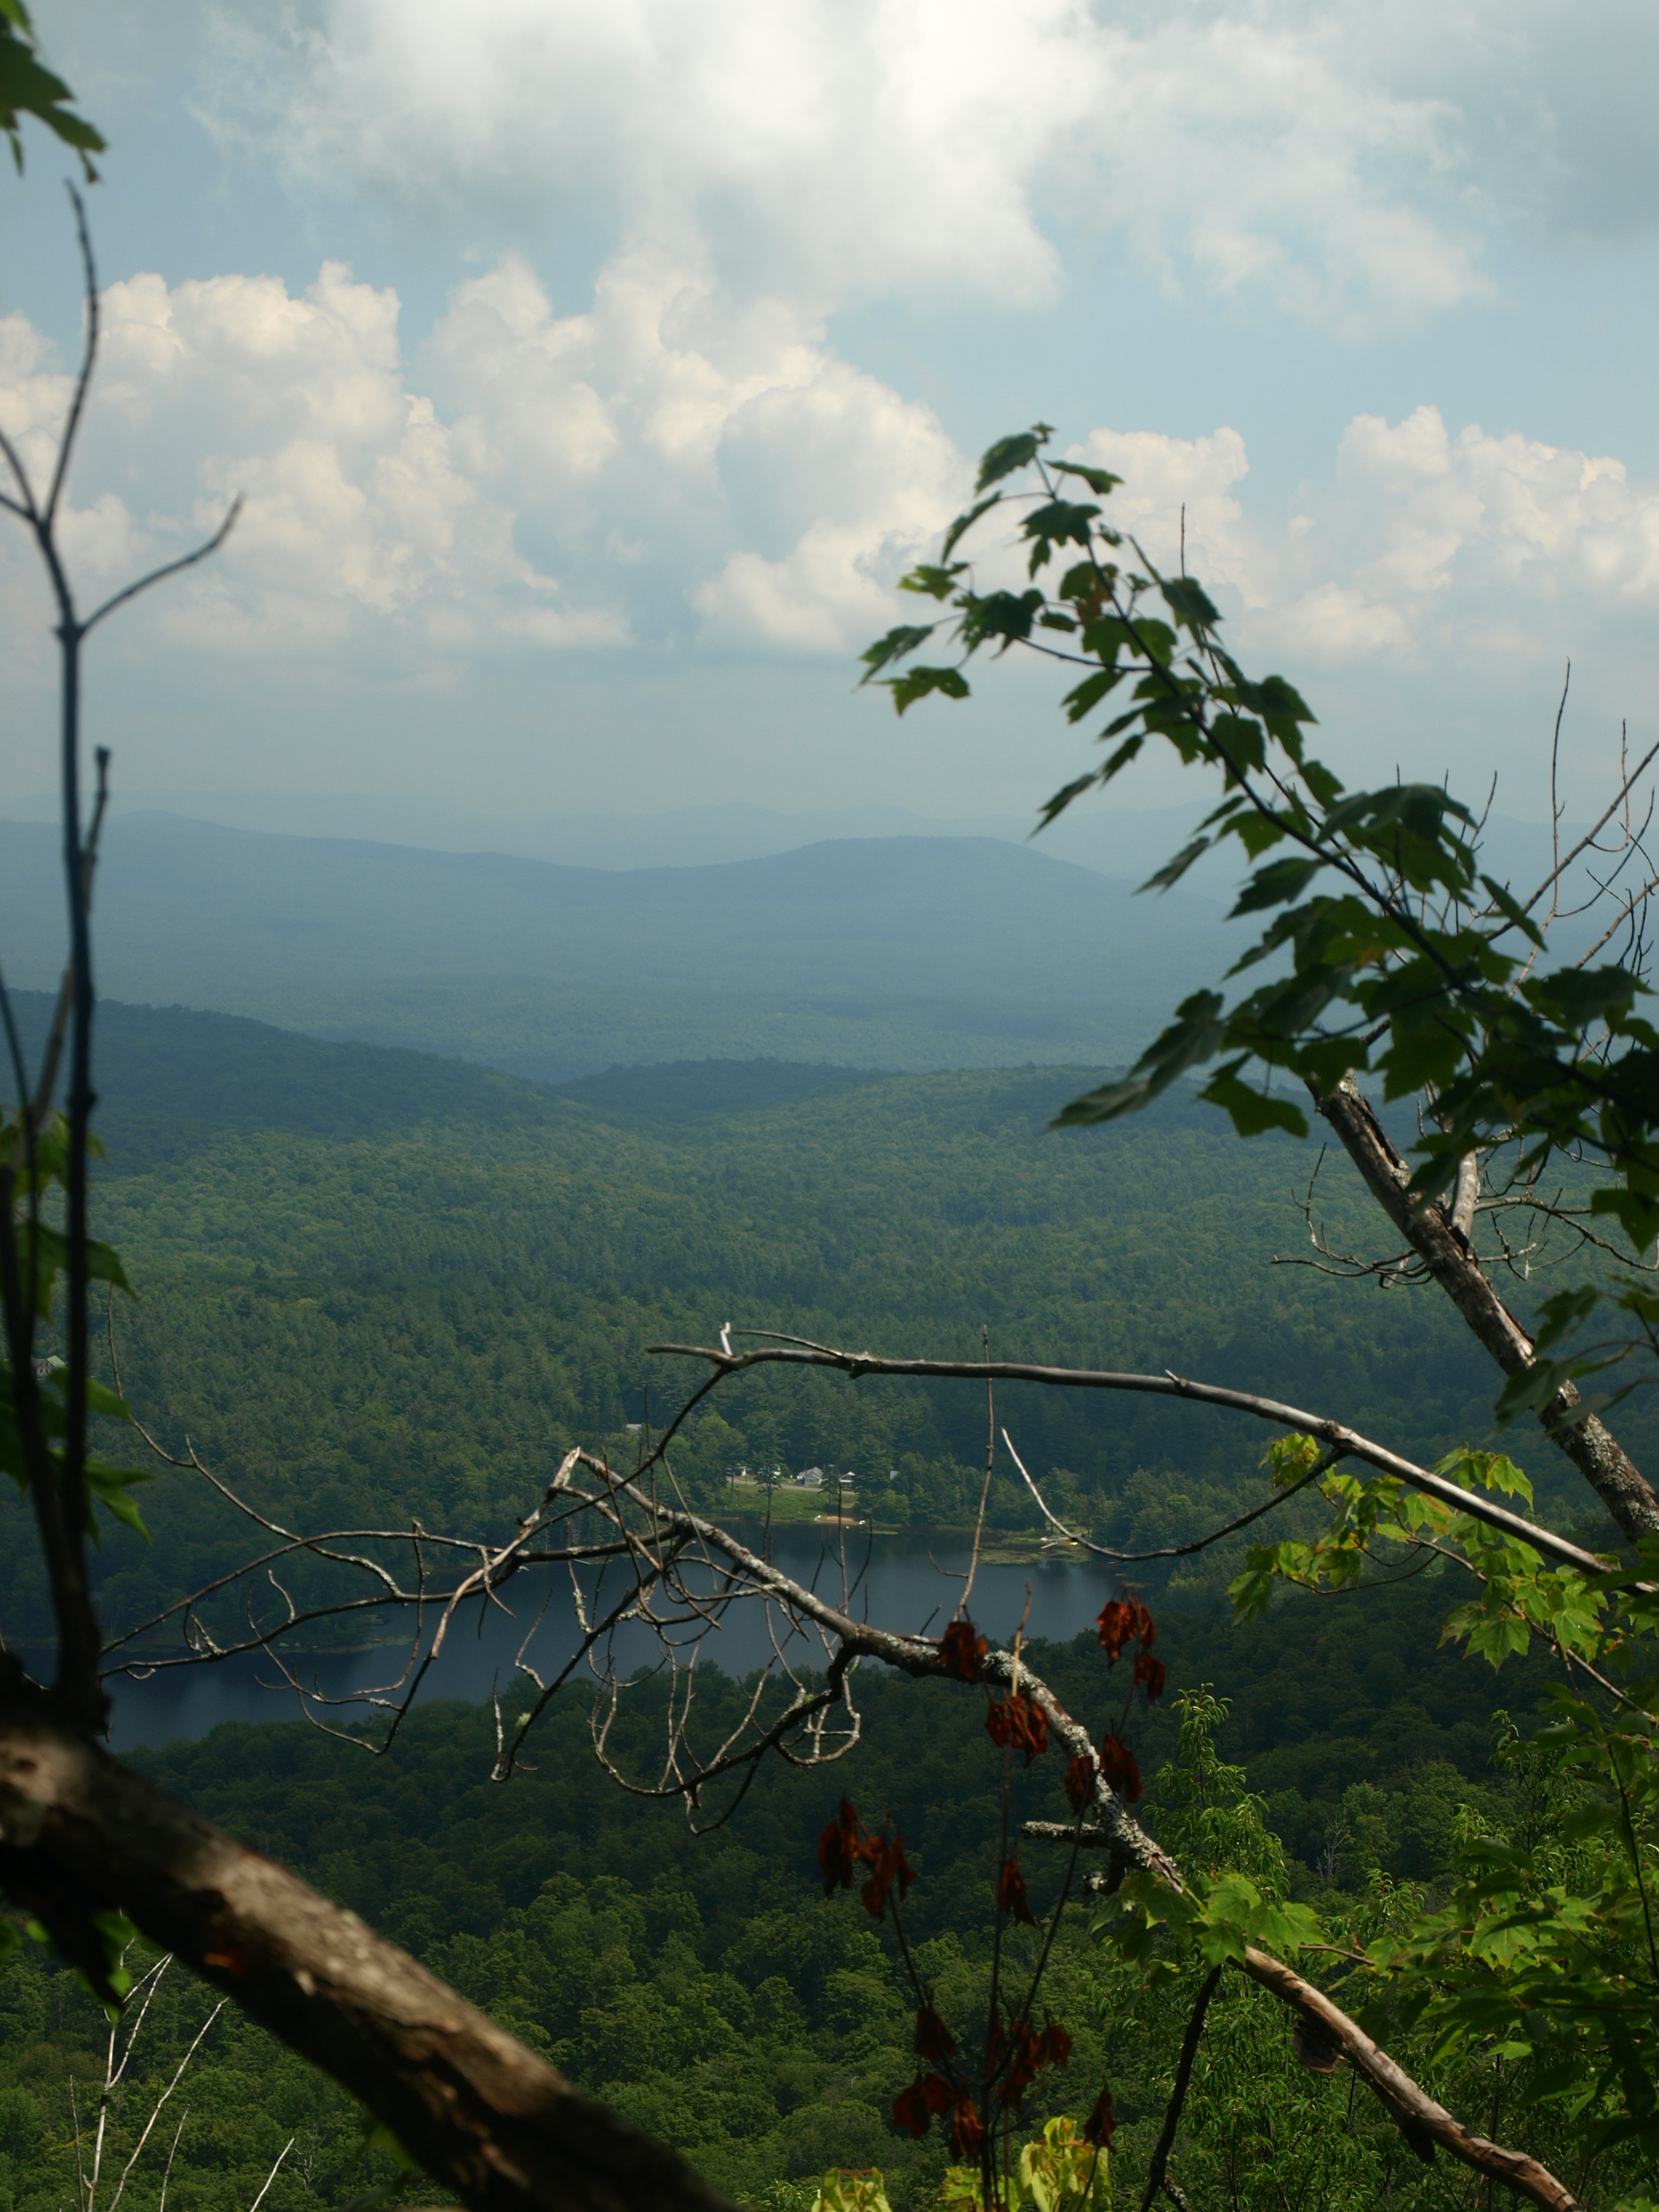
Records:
x=898, y=952
x=1101, y=832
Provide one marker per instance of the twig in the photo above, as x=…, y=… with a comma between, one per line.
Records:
x=271, y=2176
x=1326, y=1461
x=985, y=1488
x=1351, y=1444
x=1189, y=2044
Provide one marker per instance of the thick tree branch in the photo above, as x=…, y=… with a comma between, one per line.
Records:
x=1412, y=2108
x=82, y=1833
x=1449, y=1257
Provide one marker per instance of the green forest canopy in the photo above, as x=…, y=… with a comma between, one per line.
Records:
x=428, y=1280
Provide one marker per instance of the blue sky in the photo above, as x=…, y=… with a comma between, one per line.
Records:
x=592, y=374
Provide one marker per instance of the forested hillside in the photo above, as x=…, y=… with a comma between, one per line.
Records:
x=900, y=952
x=705, y=1986
x=374, y=1285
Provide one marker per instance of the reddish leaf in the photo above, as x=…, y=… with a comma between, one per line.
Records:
x=1029, y=2054
x=963, y=1650
x=1022, y=2067
x=1080, y=1782
x=1118, y=1765
x=1018, y=1721
x=1010, y=1893
x=910, y=2109
x=1153, y=1672
x=1100, y=2125
x=886, y=1860
x=967, y=2131
x=840, y=1848
x=939, y=2094
x=1125, y=1621
x=933, y=2041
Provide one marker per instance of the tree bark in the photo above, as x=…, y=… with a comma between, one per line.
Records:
x=82, y=1833
x=1449, y=1257
x=1420, y=2119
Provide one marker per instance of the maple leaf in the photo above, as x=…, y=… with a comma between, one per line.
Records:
x=1030, y=2053
x=963, y=1650
x=840, y=1848
x=910, y=2109
x=1125, y=1621
x=886, y=1857
x=1153, y=1672
x=1100, y=2125
x=933, y=2041
x=1080, y=1782
x=1117, y=1765
x=1018, y=1721
x=1010, y=1893
x=1023, y=2065
x=967, y=2129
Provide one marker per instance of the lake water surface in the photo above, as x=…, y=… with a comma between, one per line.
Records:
x=910, y=1581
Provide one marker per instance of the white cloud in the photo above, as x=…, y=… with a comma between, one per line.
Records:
x=697, y=478
x=1491, y=542
x=1423, y=548
x=676, y=461
x=831, y=149
x=1176, y=496
x=356, y=506
x=664, y=466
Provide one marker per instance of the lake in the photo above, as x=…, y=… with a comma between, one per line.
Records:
x=911, y=1582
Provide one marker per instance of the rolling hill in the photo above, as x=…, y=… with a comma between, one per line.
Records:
x=898, y=952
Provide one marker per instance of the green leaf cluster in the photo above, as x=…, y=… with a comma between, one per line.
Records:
x=1389, y=954
x=41, y=1251
x=27, y=87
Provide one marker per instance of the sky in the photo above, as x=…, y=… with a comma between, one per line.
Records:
x=591, y=373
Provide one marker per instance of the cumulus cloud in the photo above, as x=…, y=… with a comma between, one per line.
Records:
x=1490, y=542
x=1177, y=500
x=653, y=466
x=356, y=507
x=838, y=148
x=1422, y=547
x=667, y=468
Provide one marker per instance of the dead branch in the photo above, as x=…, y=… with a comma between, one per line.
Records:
x=1348, y=1440
x=1189, y=2044
x=1450, y=1259
x=476, y=2109
x=1322, y=1466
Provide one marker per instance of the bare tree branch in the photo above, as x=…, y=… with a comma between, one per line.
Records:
x=1450, y=1259
x=1323, y=1465
x=88, y=361
x=1189, y=2044
x=169, y=569
x=1351, y=1443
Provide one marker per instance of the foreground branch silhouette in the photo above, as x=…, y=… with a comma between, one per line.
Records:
x=676, y=1574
